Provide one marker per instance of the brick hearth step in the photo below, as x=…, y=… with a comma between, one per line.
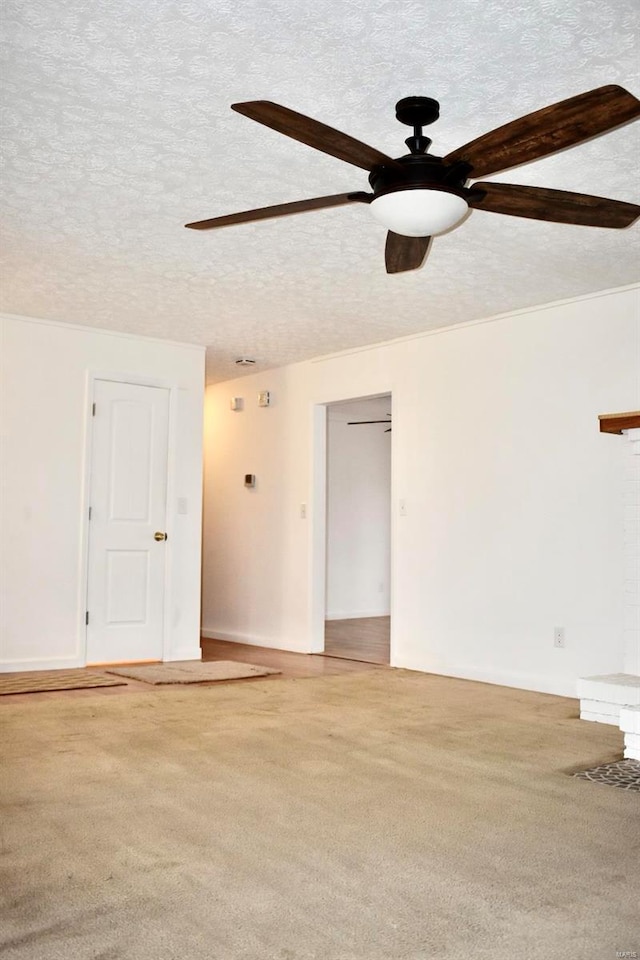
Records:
x=630, y=726
x=602, y=698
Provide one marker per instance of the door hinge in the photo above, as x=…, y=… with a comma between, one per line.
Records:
x=86, y=618
x=93, y=409
x=90, y=509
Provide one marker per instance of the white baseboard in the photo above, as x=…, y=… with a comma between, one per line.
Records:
x=557, y=686
x=72, y=663
x=63, y=663
x=356, y=614
x=252, y=640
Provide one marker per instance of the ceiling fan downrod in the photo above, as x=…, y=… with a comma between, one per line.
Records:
x=417, y=112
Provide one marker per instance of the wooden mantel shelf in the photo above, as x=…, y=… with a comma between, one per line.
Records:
x=617, y=422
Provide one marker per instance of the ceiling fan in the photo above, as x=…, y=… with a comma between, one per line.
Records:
x=420, y=195
x=360, y=423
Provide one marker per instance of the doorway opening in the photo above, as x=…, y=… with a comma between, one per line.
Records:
x=357, y=616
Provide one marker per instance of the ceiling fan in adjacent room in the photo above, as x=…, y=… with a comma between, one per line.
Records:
x=360, y=423
x=420, y=195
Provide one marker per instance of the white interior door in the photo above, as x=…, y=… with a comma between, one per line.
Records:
x=126, y=565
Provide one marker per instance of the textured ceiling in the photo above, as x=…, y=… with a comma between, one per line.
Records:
x=117, y=130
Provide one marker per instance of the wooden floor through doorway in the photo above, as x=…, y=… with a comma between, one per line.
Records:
x=363, y=638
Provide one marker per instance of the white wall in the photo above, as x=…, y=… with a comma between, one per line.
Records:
x=358, y=510
x=46, y=369
x=514, y=516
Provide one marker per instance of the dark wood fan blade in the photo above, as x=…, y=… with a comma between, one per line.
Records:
x=559, y=206
x=553, y=128
x=281, y=210
x=313, y=133
x=405, y=253
x=359, y=423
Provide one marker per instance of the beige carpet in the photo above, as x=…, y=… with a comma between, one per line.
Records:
x=382, y=815
x=193, y=671
x=42, y=681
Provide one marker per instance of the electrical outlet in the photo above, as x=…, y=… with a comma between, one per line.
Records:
x=558, y=637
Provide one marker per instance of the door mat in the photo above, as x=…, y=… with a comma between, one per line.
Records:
x=624, y=773
x=41, y=682
x=193, y=671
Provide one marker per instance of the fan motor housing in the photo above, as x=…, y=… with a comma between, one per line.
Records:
x=419, y=172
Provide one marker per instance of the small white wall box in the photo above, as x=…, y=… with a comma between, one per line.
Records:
x=249, y=479
x=264, y=398
x=236, y=403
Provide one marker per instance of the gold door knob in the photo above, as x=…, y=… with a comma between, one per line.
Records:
x=158, y=535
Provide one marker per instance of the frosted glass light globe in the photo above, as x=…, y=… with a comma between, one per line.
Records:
x=419, y=213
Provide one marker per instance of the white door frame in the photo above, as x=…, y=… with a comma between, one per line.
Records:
x=318, y=538
x=136, y=380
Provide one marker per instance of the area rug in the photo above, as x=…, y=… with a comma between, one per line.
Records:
x=193, y=671
x=623, y=773
x=40, y=682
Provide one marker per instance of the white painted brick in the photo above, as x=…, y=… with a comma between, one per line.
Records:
x=631, y=591
x=600, y=706
x=632, y=470
x=609, y=719
x=600, y=712
x=629, y=637
x=632, y=662
x=620, y=679
x=605, y=695
x=631, y=494
x=632, y=753
x=631, y=531
x=630, y=720
x=617, y=688
x=632, y=618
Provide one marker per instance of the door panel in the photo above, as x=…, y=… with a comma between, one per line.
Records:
x=130, y=463
x=125, y=597
x=127, y=586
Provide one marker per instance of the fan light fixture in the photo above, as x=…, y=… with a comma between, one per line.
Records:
x=419, y=213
